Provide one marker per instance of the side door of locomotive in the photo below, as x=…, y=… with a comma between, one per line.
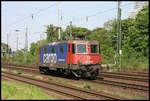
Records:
x=62, y=52
x=42, y=54
x=69, y=54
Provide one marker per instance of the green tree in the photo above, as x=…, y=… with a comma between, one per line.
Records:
x=141, y=26
x=76, y=32
x=5, y=48
x=34, y=47
x=51, y=29
x=126, y=26
x=111, y=27
x=52, y=32
x=137, y=38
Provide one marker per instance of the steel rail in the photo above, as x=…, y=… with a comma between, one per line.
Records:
x=91, y=94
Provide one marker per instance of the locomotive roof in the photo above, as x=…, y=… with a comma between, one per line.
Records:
x=71, y=41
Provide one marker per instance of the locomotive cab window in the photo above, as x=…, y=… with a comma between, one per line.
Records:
x=81, y=48
x=94, y=48
x=52, y=49
x=61, y=49
x=73, y=48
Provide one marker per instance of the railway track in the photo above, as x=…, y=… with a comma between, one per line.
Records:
x=125, y=77
x=66, y=90
x=121, y=84
x=129, y=74
x=99, y=80
x=20, y=68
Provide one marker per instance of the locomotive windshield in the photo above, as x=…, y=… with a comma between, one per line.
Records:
x=94, y=48
x=81, y=48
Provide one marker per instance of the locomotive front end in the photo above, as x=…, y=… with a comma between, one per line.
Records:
x=86, y=59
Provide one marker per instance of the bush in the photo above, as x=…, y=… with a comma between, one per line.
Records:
x=3, y=58
x=19, y=72
x=87, y=86
x=135, y=62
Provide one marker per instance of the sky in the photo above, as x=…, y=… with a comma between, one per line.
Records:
x=17, y=15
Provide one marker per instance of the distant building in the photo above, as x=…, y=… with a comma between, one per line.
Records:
x=138, y=5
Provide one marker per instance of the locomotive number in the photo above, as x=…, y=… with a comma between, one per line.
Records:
x=88, y=61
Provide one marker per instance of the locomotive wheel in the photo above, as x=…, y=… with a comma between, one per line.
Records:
x=44, y=70
x=41, y=70
x=76, y=78
x=94, y=74
x=93, y=77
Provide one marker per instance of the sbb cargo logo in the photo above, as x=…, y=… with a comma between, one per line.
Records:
x=50, y=58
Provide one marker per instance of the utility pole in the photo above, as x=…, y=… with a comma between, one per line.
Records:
x=7, y=40
x=119, y=36
x=70, y=29
x=74, y=19
x=17, y=42
x=17, y=38
x=7, y=47
x=59, y=19
x=40, y=36
x=17, y=48
x=26, y=44
x=118, y=28
x=81, y=20
x=120, y=51
x=86, y=20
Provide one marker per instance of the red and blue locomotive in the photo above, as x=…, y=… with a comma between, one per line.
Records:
x=78, y=57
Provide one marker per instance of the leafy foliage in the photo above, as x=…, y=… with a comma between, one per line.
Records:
x=52, y=32
x=5, y=48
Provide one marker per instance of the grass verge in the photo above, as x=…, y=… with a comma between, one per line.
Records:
x=20, y=91
x=87, y=86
